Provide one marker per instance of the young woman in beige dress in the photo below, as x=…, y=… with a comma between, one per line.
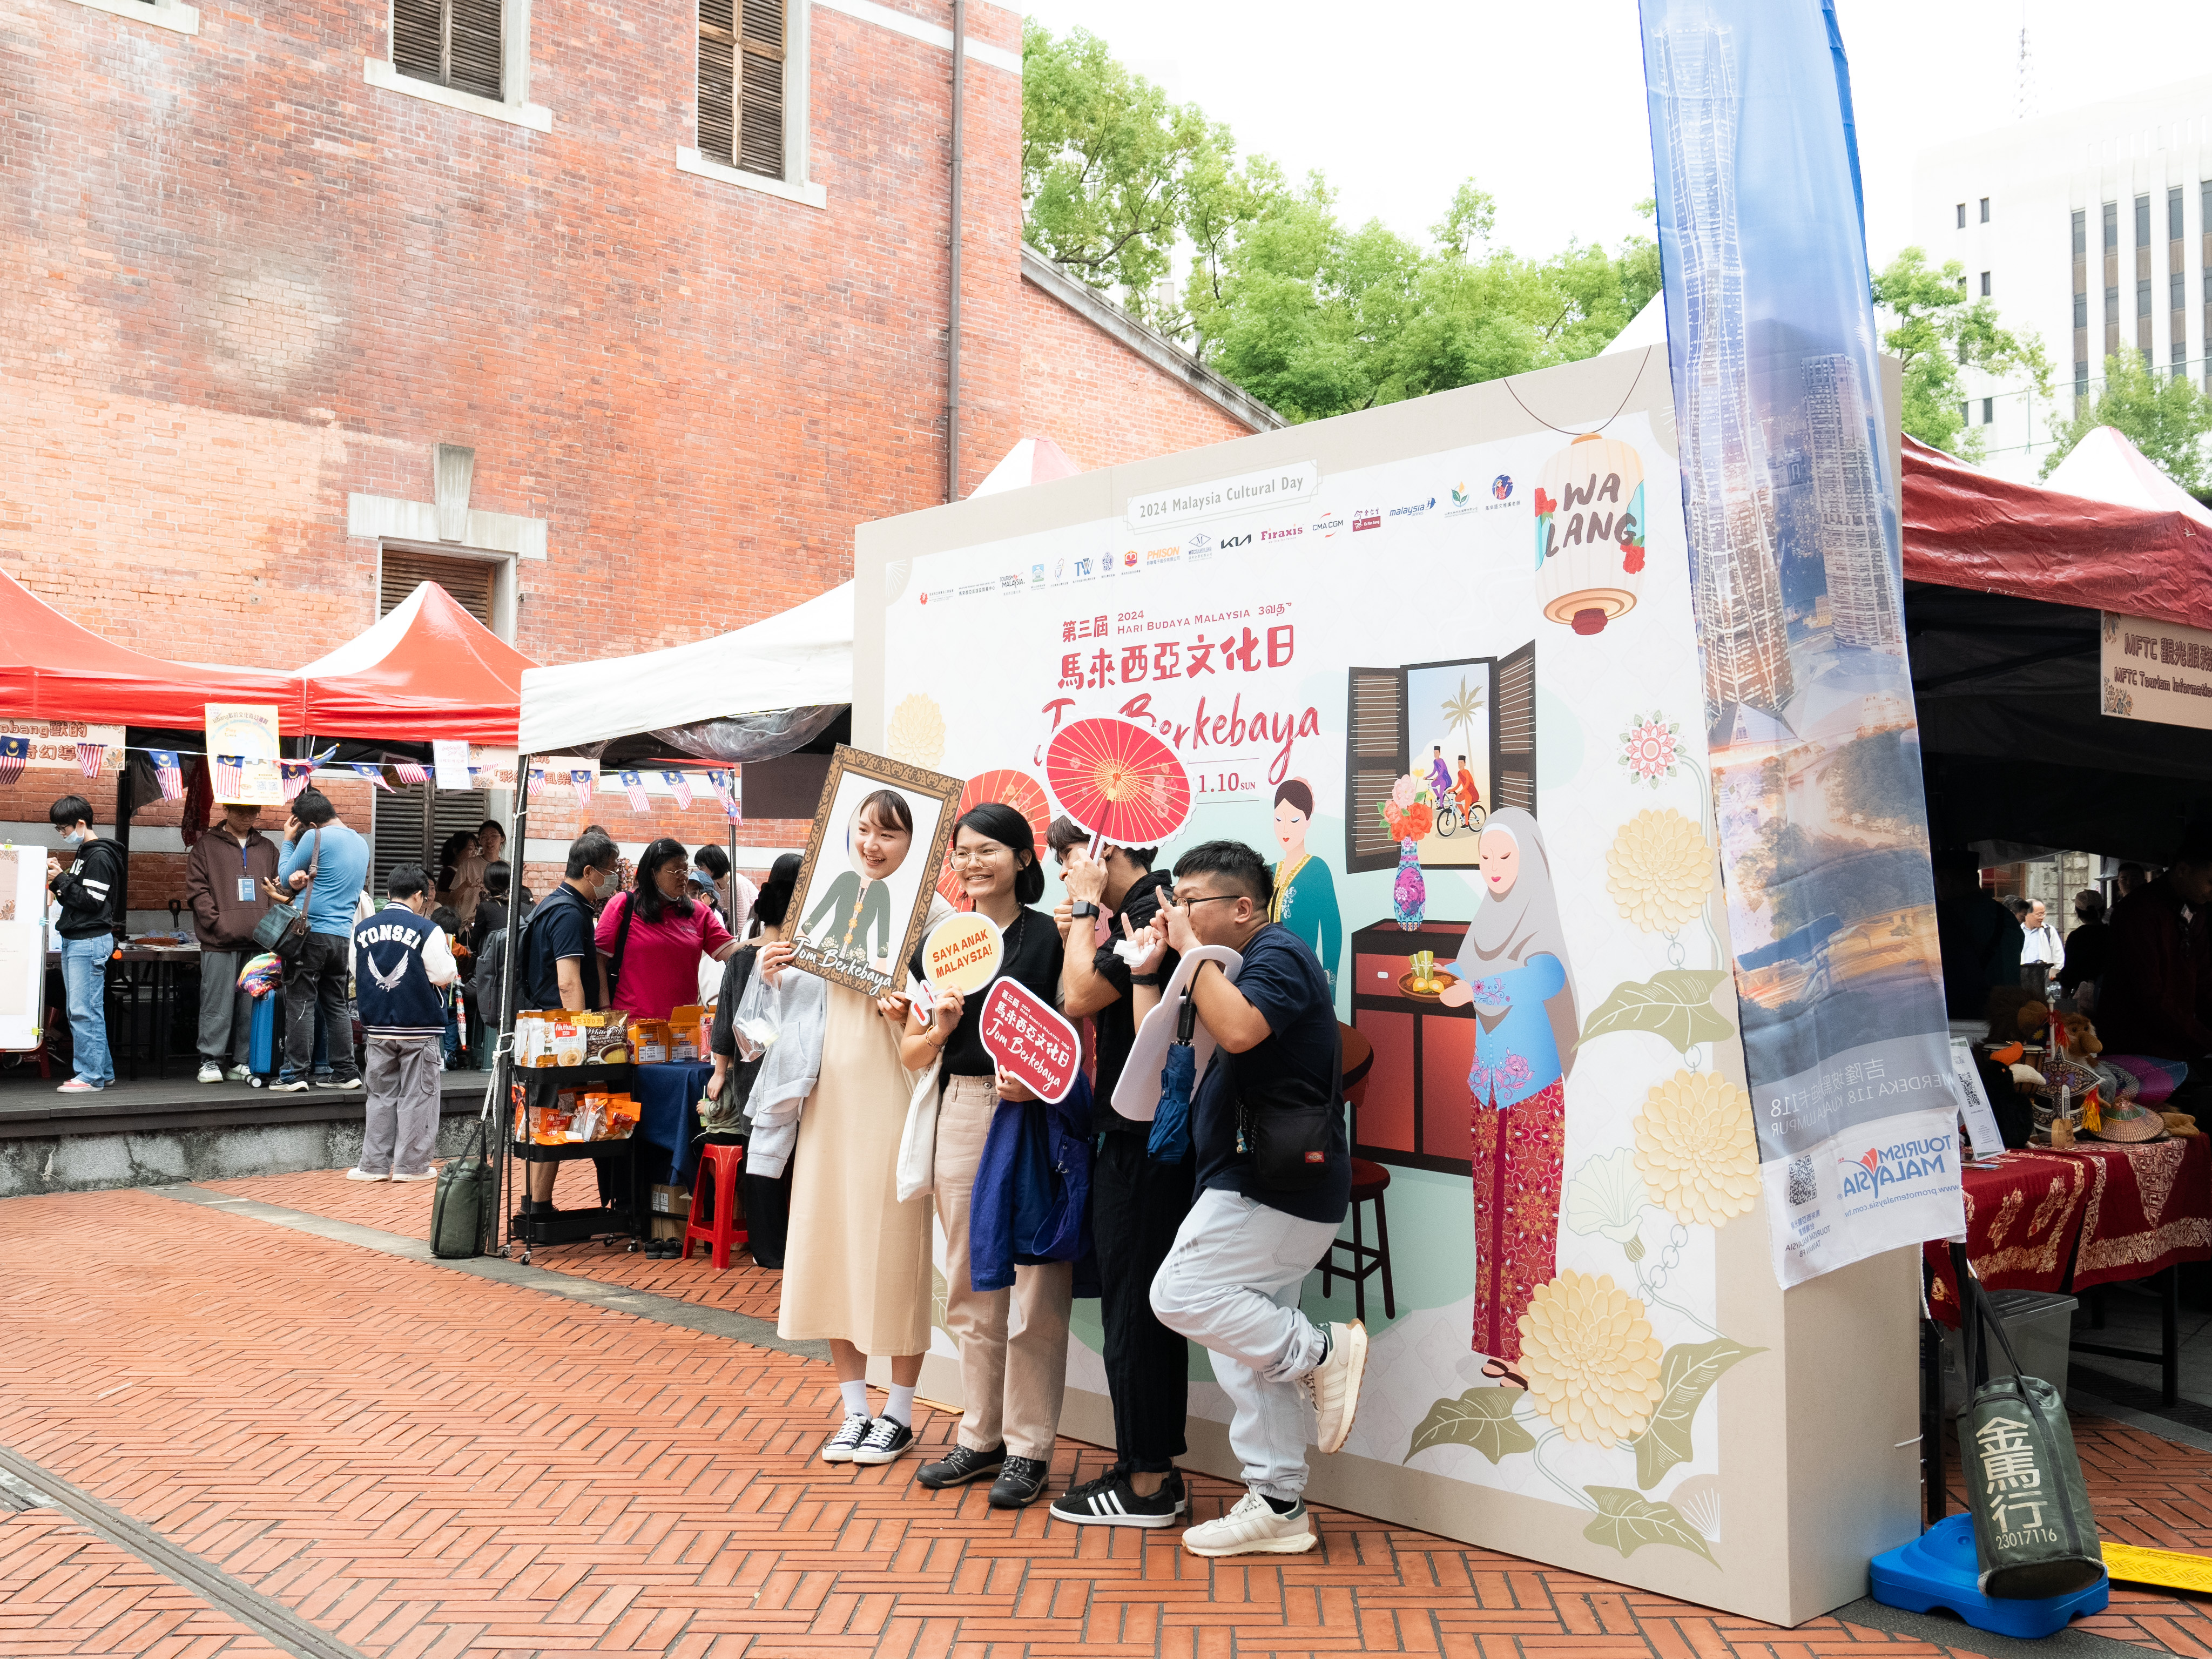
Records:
x=857, y=1265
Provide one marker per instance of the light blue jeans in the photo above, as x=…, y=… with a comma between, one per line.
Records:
x=84, y=979
x=1231, y=1284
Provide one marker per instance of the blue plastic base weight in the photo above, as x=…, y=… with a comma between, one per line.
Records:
x=1938, y=1570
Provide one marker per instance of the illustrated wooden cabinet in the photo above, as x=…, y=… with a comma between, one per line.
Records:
x=1416, y=1111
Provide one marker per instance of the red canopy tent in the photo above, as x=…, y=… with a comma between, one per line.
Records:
x=1965, y=529
x=53, y=669
x=427, y=670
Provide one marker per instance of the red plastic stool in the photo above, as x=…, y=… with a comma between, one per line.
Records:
x=722, y=1234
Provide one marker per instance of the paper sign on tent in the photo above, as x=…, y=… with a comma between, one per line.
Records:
x=248, y=732
x=962, y=953
x=1032, y=1044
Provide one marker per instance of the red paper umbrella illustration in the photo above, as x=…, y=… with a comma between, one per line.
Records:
x=1017, y=790
x=1118, y=782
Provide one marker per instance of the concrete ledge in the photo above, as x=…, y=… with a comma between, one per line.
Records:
x=102, y=1161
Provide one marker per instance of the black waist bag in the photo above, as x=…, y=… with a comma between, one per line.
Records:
x=1287, y=1133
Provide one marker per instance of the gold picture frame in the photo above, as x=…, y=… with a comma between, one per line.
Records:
x=832, y=910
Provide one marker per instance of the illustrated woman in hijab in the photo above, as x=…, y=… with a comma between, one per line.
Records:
x=1513, y=972
x=858, y=902
x=1306, y=893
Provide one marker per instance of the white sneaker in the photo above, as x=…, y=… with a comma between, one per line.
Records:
x=1334, y=1385
x=298, y=1085
x=426, y=1175
x=1253, y=1528
x=358, y=1173
x=241, y=1075
x=210, y=1071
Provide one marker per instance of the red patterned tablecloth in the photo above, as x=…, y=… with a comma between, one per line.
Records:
x=2043, y=1220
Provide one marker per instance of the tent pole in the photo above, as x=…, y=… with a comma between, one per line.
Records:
x=503, y=1038
x=729, y=900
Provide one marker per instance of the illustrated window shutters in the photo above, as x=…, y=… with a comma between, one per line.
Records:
x=1374, y=758
x=454, y=43
x=741, y=46
x=1516, y=729
x=469, y=581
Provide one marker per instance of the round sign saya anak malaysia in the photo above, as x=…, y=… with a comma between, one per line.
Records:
x=1032, y=1044
x=962, y=953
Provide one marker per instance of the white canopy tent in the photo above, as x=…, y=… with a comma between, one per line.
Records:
x=2106, y=467
x=801, y=658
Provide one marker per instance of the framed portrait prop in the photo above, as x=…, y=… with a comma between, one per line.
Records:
x=879, y=837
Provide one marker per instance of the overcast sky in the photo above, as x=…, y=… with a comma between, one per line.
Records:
x=1543, y=103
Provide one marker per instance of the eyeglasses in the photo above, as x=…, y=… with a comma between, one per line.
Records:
x=1212, y=898
x=960, y=855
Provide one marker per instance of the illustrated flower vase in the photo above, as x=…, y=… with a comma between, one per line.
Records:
x=1409, y=894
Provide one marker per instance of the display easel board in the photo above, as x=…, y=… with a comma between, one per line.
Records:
x=1347, y=616
x=22, y=944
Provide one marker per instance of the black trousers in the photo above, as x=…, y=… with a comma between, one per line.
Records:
x=1136, y=1206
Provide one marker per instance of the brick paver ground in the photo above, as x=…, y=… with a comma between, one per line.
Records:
x=427, y=1464
x=65, y=1591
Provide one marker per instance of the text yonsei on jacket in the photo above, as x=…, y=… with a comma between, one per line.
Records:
x=400, y=959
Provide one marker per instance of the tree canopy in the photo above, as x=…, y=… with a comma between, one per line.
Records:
x=1935, y=330
x=1308, y=315
x=2166, y=417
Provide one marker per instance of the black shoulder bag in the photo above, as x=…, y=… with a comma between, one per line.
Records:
x=621, y=944
x=1286, y=1129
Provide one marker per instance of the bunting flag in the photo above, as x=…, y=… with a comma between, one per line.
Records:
x=728, y=787
x=90, y=757
x=408, y=773
x=229, y=776
x=680, y=786
x=296, y=774
x=634, y=786
x=168, y=774
x=536, y=782
x=14, y=753
x=373, y=774
x=582, y=779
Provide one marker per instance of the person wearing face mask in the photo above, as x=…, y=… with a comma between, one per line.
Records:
x=559, y=965
x=1513, y=972
x=857, y=1268
x=88, y=886
x=1012, y=1342
x=225, y=875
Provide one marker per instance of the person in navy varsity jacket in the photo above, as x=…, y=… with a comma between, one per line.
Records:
x=400, y=959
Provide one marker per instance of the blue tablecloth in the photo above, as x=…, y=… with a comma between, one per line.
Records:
x=667, y=1096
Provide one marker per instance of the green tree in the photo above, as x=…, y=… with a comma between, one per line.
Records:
x=2166, y=417
x=1936, y=331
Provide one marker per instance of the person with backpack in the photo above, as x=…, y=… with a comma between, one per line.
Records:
x=405, y=964
x=90, y=889
x=558, y=966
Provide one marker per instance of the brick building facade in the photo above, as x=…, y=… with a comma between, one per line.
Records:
x=255, y=269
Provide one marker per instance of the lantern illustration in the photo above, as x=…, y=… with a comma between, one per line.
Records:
x=1589, y=532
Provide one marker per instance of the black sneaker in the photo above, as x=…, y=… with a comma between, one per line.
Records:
x=961, y=1467
x=849, y=1439
x=1112, y=1501
x=1020, y=1483
x=887, y=1442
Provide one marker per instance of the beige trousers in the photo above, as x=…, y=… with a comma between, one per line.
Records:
x=1013, y=1344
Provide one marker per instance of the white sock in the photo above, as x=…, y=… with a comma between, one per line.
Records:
x=856, y=1398
x=900, y=1406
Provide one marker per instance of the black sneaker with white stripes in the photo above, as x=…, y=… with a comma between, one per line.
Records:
x=887, y=1442
x=1111, y=1501
x=841, y=1446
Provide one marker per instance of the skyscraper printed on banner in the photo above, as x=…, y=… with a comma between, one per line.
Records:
x=1817, y=801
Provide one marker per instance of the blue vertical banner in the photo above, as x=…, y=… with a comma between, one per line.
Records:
x=1797, y=591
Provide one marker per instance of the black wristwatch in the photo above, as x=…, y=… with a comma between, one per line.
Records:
x=1084, y=908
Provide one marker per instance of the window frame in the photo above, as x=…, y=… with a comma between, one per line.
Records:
x=513, y=106
x=798, y=184
x=172, y=14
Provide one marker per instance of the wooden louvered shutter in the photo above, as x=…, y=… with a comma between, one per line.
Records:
x=1513, y=752
x=1375, y=758
x=454, y=43
x=469, y=581
x=760, y=125
x=718, y=48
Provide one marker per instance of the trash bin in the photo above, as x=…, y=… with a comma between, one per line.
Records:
x=2041, y=1325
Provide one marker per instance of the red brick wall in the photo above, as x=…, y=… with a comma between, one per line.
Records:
x=1098, y=400
x=237, y=283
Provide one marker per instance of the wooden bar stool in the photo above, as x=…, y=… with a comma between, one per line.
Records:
x=1369, y=1180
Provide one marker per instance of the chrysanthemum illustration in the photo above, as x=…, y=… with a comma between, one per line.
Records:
x=1590, y=1358
x=915, y=731
x=1648, y=749
x=1659, y=870
x=1696, y=1150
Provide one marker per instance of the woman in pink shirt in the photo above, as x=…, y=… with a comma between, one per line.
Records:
x=652, y=937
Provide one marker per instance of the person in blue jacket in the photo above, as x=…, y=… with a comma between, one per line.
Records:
x=1513, y=971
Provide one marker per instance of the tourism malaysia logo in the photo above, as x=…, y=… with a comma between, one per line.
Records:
x=1909, y=1163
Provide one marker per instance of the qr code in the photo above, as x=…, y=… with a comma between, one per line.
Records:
x=1804, y=1185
